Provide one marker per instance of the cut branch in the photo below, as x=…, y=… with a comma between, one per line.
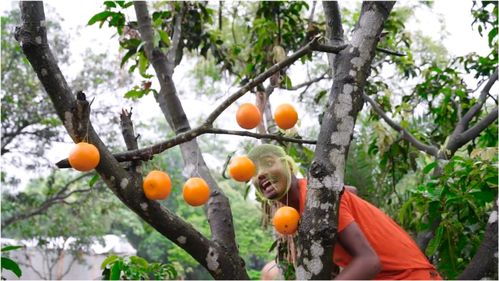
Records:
x=432, y=150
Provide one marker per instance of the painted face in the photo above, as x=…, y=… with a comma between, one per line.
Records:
x=272, y=176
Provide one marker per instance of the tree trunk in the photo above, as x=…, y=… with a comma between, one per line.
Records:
x=484, y=263
x=317, y=232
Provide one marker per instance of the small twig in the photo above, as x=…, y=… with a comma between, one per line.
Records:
x=390, y=52
x=432, y=150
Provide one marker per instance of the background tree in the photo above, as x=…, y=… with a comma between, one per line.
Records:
x=189, y=26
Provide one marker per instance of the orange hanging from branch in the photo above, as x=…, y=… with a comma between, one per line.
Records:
x=241, y=168
x=285, y=116
x=84, y=157
x=248, y=116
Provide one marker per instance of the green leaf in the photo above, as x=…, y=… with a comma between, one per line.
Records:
x=102, y=16
x=139, y=261
x=143, y=65
x=93, y=180
x=12, y=266
x=287, y=82
x=164, y=37
x=274, y=244
x=436, y=241
x=110, y=4
x=128, y=55
x=492, y=35
x=128, y=4
x=116, y=271
x=429, y=167
x=110, y=259
x=10, y=248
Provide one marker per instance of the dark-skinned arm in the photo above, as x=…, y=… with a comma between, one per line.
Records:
x=365, y=262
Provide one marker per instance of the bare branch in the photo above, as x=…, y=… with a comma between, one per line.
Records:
x=458, y=141
x=390, y=52
x=405, y=134
x=33, y=38
x=312, y=12
x=45, y=205
x=131, y=142
x=478, y=105
x=176, y=42
x=148, y=152
x=308, y=83
x=334, y=27
x=312, y=45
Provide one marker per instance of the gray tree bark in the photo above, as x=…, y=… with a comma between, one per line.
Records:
x=317, y=232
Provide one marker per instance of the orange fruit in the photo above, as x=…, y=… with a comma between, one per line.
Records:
x=286, y=220
x=241, y=168
x=157, y=185
x=285, y=116
x=196, y=191
x=84, y=157
x=248, y=116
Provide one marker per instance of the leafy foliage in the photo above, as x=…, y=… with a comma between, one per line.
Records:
x=135, y=268
x=8, y=263
x=461, y=197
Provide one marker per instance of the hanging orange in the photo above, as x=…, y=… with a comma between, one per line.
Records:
x=241, y=168
x=157, y=185
x=285, y=116
x=196, y=191
x=84, y=157
x=286, y=220
x=248, y=116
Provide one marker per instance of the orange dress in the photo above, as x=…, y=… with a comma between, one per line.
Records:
x=399, y=255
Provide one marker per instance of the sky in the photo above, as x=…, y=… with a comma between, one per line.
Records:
x=460, y=40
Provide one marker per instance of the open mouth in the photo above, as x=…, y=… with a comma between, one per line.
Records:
x=267, y=187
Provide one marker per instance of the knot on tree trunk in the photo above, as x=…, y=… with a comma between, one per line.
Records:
x=318, y=170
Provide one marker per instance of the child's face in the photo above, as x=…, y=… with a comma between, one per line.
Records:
x=271, y=176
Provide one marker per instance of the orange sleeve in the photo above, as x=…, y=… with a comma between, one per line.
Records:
x=345, y=215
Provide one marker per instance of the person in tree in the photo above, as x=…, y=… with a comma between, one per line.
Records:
x=370, y=244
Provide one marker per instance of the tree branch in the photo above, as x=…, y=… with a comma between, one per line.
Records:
x=44, y=206
x=390, y=52
x=131, y=143
x=463, y=124
x=308, y=83
x=148, y=152
x=334, y=27
x=432, y=150
x=33, y=39
x=176, y=42
x=223, y=248
x=311, y=46
x=458, y=141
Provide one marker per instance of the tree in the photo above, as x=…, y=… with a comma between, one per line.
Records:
x=182, y=27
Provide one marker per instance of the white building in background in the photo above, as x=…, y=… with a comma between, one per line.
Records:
x=56, y=262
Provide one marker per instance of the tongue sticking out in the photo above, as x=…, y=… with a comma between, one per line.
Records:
x=268, y=189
